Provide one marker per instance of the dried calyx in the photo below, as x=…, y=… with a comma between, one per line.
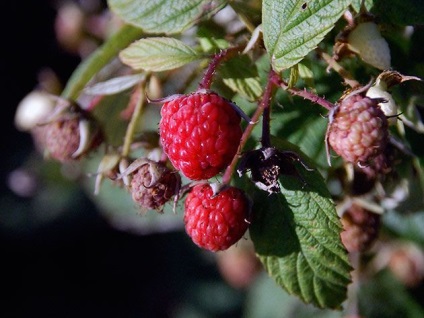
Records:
x=267, y=164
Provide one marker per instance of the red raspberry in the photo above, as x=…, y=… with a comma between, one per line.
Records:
x=216, y=222
x=200, y=133
x=358, y=130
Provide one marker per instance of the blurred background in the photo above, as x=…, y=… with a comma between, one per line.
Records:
x=62, y=256
x=67, y=253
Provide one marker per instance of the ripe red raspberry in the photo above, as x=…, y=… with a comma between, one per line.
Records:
x=358, y=129
x=200, y=133
x=153, y=184
x=216, y=222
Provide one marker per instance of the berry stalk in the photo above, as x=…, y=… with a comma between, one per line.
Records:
x=217, y=59
x=302, y=93
x=266, y=116
x=129, y=134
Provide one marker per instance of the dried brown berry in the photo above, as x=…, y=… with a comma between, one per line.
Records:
x=70, y=132
x=153, y=184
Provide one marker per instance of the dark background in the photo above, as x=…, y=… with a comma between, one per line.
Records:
x=76, y=264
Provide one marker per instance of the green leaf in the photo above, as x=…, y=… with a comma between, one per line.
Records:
x=297, y=237
x=164, y=16
x=291, y=32
x=241, y=75
x=158, y=54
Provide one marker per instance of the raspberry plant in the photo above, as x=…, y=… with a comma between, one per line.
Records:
x=282, y=119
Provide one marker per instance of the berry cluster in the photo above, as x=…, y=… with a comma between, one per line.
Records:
x=200, y=133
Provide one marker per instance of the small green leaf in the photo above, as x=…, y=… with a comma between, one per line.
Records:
x=158, y=54
x=305, y=72
x=241, y=75
x=211, y=45
x=294, y=76
x=164, y=16
x=297, y=237
x=291, y=30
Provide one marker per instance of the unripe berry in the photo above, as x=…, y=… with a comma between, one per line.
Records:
x=360, y=228
x=365, y=40
x=358, y=129
x=200, y=133
x=215, y=222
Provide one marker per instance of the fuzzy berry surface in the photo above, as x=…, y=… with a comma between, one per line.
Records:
x=216, y=222
x=62, y=139
x=200, y=133
x=358, y=131
x=153, y=194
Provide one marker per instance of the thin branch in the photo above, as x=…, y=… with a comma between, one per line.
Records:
x=302, y=93
x=129, y=134
x=217, y=59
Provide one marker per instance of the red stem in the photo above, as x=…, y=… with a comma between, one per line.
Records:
x=303, y=93
x=217, y=59
x=264, y=104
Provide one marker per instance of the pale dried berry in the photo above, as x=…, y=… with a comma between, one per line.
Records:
x=358, y=130
x=215, y=222
x=360, y=228
x=68, y=138
x=200, y=133
x=365, y=40
x=62, y=139
x=153, y=184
